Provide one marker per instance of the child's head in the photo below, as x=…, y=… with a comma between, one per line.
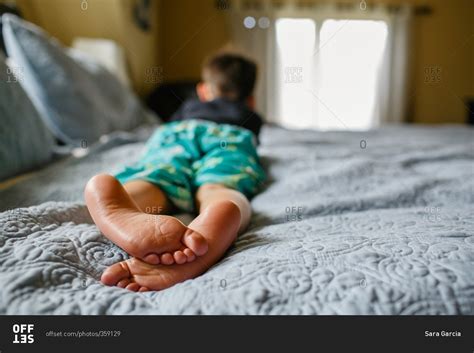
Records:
x=229, y=76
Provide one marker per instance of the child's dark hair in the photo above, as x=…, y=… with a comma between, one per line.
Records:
x=231, y=75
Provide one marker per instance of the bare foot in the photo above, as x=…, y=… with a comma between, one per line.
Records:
x=219, y=224
x=152, y=238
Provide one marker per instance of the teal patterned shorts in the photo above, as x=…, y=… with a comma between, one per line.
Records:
x=183, y=155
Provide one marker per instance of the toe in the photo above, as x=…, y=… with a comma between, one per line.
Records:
x=134, y=287
x=143, y=289
x=167, y=259
x=189, y=255
x=152, y=259
x=123, y=283
x=179, y=257
x=115, y=273
x=195, y=241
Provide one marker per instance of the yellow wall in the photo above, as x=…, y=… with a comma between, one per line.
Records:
x=191, y=30
x=444, y=39
x=112, y=19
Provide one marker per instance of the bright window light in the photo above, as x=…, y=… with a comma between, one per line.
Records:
x=296, y=43
x=328, y=81
x=350, y=58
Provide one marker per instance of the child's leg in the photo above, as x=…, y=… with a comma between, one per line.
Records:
x=118, y=212
x=148, y=197
x=222, y=213
x=209, y=194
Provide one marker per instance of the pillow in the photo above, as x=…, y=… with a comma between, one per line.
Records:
x=25, y=142
x=78, y=99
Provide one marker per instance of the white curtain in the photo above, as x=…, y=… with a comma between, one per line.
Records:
x=257, y=38
x=392, y=85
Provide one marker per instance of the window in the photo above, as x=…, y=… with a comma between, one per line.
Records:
x=296, y=40
x=328, y=75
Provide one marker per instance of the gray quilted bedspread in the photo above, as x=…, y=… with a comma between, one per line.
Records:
x=376, y=222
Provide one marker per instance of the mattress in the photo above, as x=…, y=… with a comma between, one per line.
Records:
x=377, y=222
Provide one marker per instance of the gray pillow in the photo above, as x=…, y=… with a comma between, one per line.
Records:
x=25, y=142
x=79, y=100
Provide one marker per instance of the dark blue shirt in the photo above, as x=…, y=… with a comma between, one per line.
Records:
x=221, y=111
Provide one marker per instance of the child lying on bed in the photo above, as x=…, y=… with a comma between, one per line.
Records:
x=204, y=161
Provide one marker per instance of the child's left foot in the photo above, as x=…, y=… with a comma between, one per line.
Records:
x=154, y=239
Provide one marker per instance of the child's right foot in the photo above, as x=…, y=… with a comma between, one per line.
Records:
x=153, y=238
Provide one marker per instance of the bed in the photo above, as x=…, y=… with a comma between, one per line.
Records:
x=377, y=222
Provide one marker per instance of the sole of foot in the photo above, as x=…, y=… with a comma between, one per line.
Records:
x=219, y=224
x=155, y=239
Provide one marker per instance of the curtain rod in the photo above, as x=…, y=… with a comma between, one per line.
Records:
x=419, y=10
